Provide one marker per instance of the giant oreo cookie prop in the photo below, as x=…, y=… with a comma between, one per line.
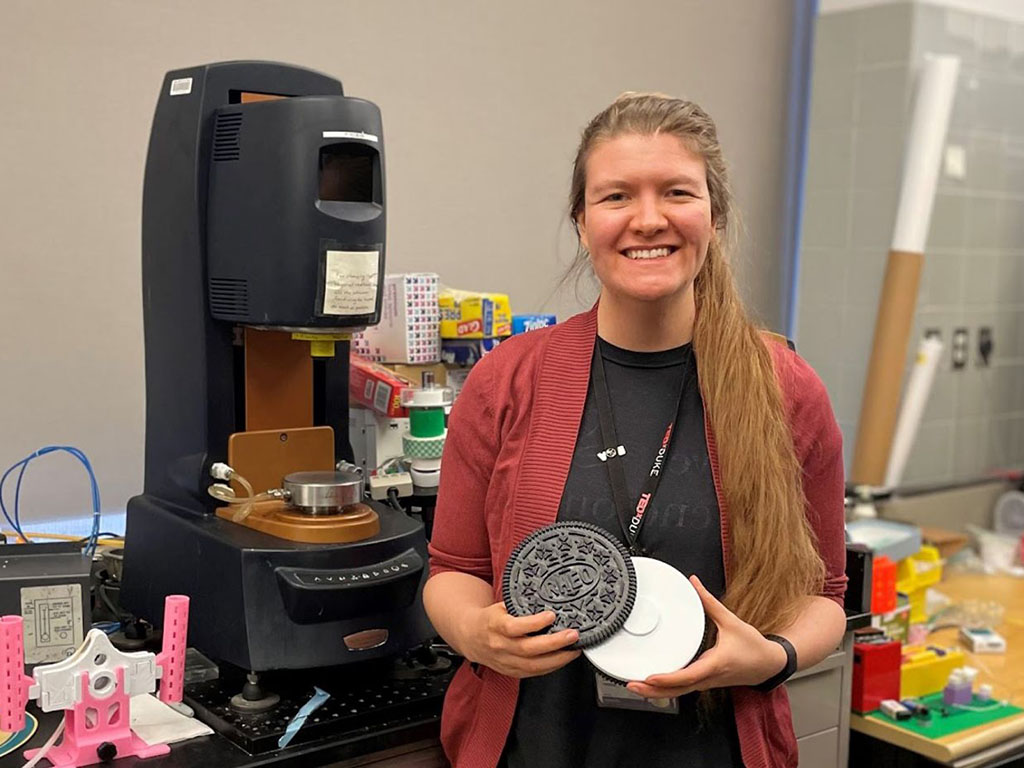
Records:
x=665, y=631
x=577, y=570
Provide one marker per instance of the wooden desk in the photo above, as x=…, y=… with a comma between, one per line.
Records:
x=1004, y=672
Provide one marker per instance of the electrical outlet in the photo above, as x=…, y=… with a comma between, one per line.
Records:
x=985, y=345
x=959, y=348
x=381, y=484
x=955, y=164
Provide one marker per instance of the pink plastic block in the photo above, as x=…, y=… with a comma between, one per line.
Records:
x=99, y=718
x=172, y=657
x=14, y=683
x=98, y=727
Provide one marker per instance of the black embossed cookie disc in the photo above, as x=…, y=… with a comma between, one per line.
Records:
x=577, y=570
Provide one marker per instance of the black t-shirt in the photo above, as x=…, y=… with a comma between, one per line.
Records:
x=558, y=723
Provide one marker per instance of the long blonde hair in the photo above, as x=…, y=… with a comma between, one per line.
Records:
x=773, y=561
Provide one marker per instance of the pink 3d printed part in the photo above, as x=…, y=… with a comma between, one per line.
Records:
x=14, y=683
x=171, y=659
x=94, y=686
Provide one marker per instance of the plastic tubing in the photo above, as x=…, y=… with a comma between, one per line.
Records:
x=48, y=745
x=225, y=493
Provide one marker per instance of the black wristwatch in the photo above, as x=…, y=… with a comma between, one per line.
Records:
x=787, y=671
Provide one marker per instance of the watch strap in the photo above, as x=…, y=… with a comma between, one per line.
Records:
x=787, y=671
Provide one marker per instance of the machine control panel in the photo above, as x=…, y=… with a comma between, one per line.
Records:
x=314, y=595
x=405, y=564
x=350, y=576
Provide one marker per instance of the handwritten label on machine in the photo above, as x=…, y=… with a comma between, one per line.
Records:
x=53, y=622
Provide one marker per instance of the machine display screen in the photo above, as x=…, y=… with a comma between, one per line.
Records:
x=247, y=97
x=347, y=173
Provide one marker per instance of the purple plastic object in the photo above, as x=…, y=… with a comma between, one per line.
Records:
x=948, y=694
x=964, y=694
x=957, y=693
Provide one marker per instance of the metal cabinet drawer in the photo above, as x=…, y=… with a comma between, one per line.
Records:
x=815, y=700
x=820, y=750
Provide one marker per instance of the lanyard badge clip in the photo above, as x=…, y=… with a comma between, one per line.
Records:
x=611, y=453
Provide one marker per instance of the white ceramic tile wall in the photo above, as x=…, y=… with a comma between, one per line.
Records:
x=865, y=64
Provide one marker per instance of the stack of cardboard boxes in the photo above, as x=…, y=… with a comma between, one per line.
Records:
x=424, y=327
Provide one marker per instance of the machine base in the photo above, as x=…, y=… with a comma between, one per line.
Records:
x=365, y=698
x=263, y=603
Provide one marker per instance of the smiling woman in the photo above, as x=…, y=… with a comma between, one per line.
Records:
x=745, y=494
x=646, y=222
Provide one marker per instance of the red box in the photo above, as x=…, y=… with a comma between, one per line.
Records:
x=374, y=386
x=876, y=675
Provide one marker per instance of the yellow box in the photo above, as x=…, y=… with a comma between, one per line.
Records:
x=913, y=577
x=924, y=670
x=414, y=373
x=470, y=315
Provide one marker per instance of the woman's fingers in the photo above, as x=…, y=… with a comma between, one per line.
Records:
x=542, y=644
x=522, y=640
x=515, y=646
x=698, y=676
x=718, y=612
x=521, y=626
x=656, y=692
x=699, y=672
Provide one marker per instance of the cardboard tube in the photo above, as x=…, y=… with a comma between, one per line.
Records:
x=881, y=402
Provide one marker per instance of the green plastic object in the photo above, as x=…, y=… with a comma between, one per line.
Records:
x=426, y=422
x=936, y=726
x=423, y=447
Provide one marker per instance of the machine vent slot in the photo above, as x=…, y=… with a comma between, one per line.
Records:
x=229, y=297
x=225, y=136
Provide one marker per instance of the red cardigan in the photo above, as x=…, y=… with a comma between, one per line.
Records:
x=511, y=439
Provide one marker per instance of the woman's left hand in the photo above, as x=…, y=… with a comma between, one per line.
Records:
x=741, y=656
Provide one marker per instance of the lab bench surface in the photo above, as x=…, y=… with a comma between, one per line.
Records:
x=819, y=697
x=999, y=743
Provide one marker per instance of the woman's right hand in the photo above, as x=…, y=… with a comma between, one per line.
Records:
x=507, y=644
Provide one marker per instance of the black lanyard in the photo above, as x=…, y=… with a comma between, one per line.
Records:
x=631, y=517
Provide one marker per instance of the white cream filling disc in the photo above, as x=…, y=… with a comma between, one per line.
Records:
x=663, y=632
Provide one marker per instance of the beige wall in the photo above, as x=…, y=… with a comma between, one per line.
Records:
x=482, y=105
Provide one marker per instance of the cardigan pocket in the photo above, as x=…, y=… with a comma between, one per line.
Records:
x=461, y=706
x=779, y=731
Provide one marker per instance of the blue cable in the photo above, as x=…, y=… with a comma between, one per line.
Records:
x=93, y=536
x=23, y=465
x=17, y=493
x=107, y=627
x=3, y=507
